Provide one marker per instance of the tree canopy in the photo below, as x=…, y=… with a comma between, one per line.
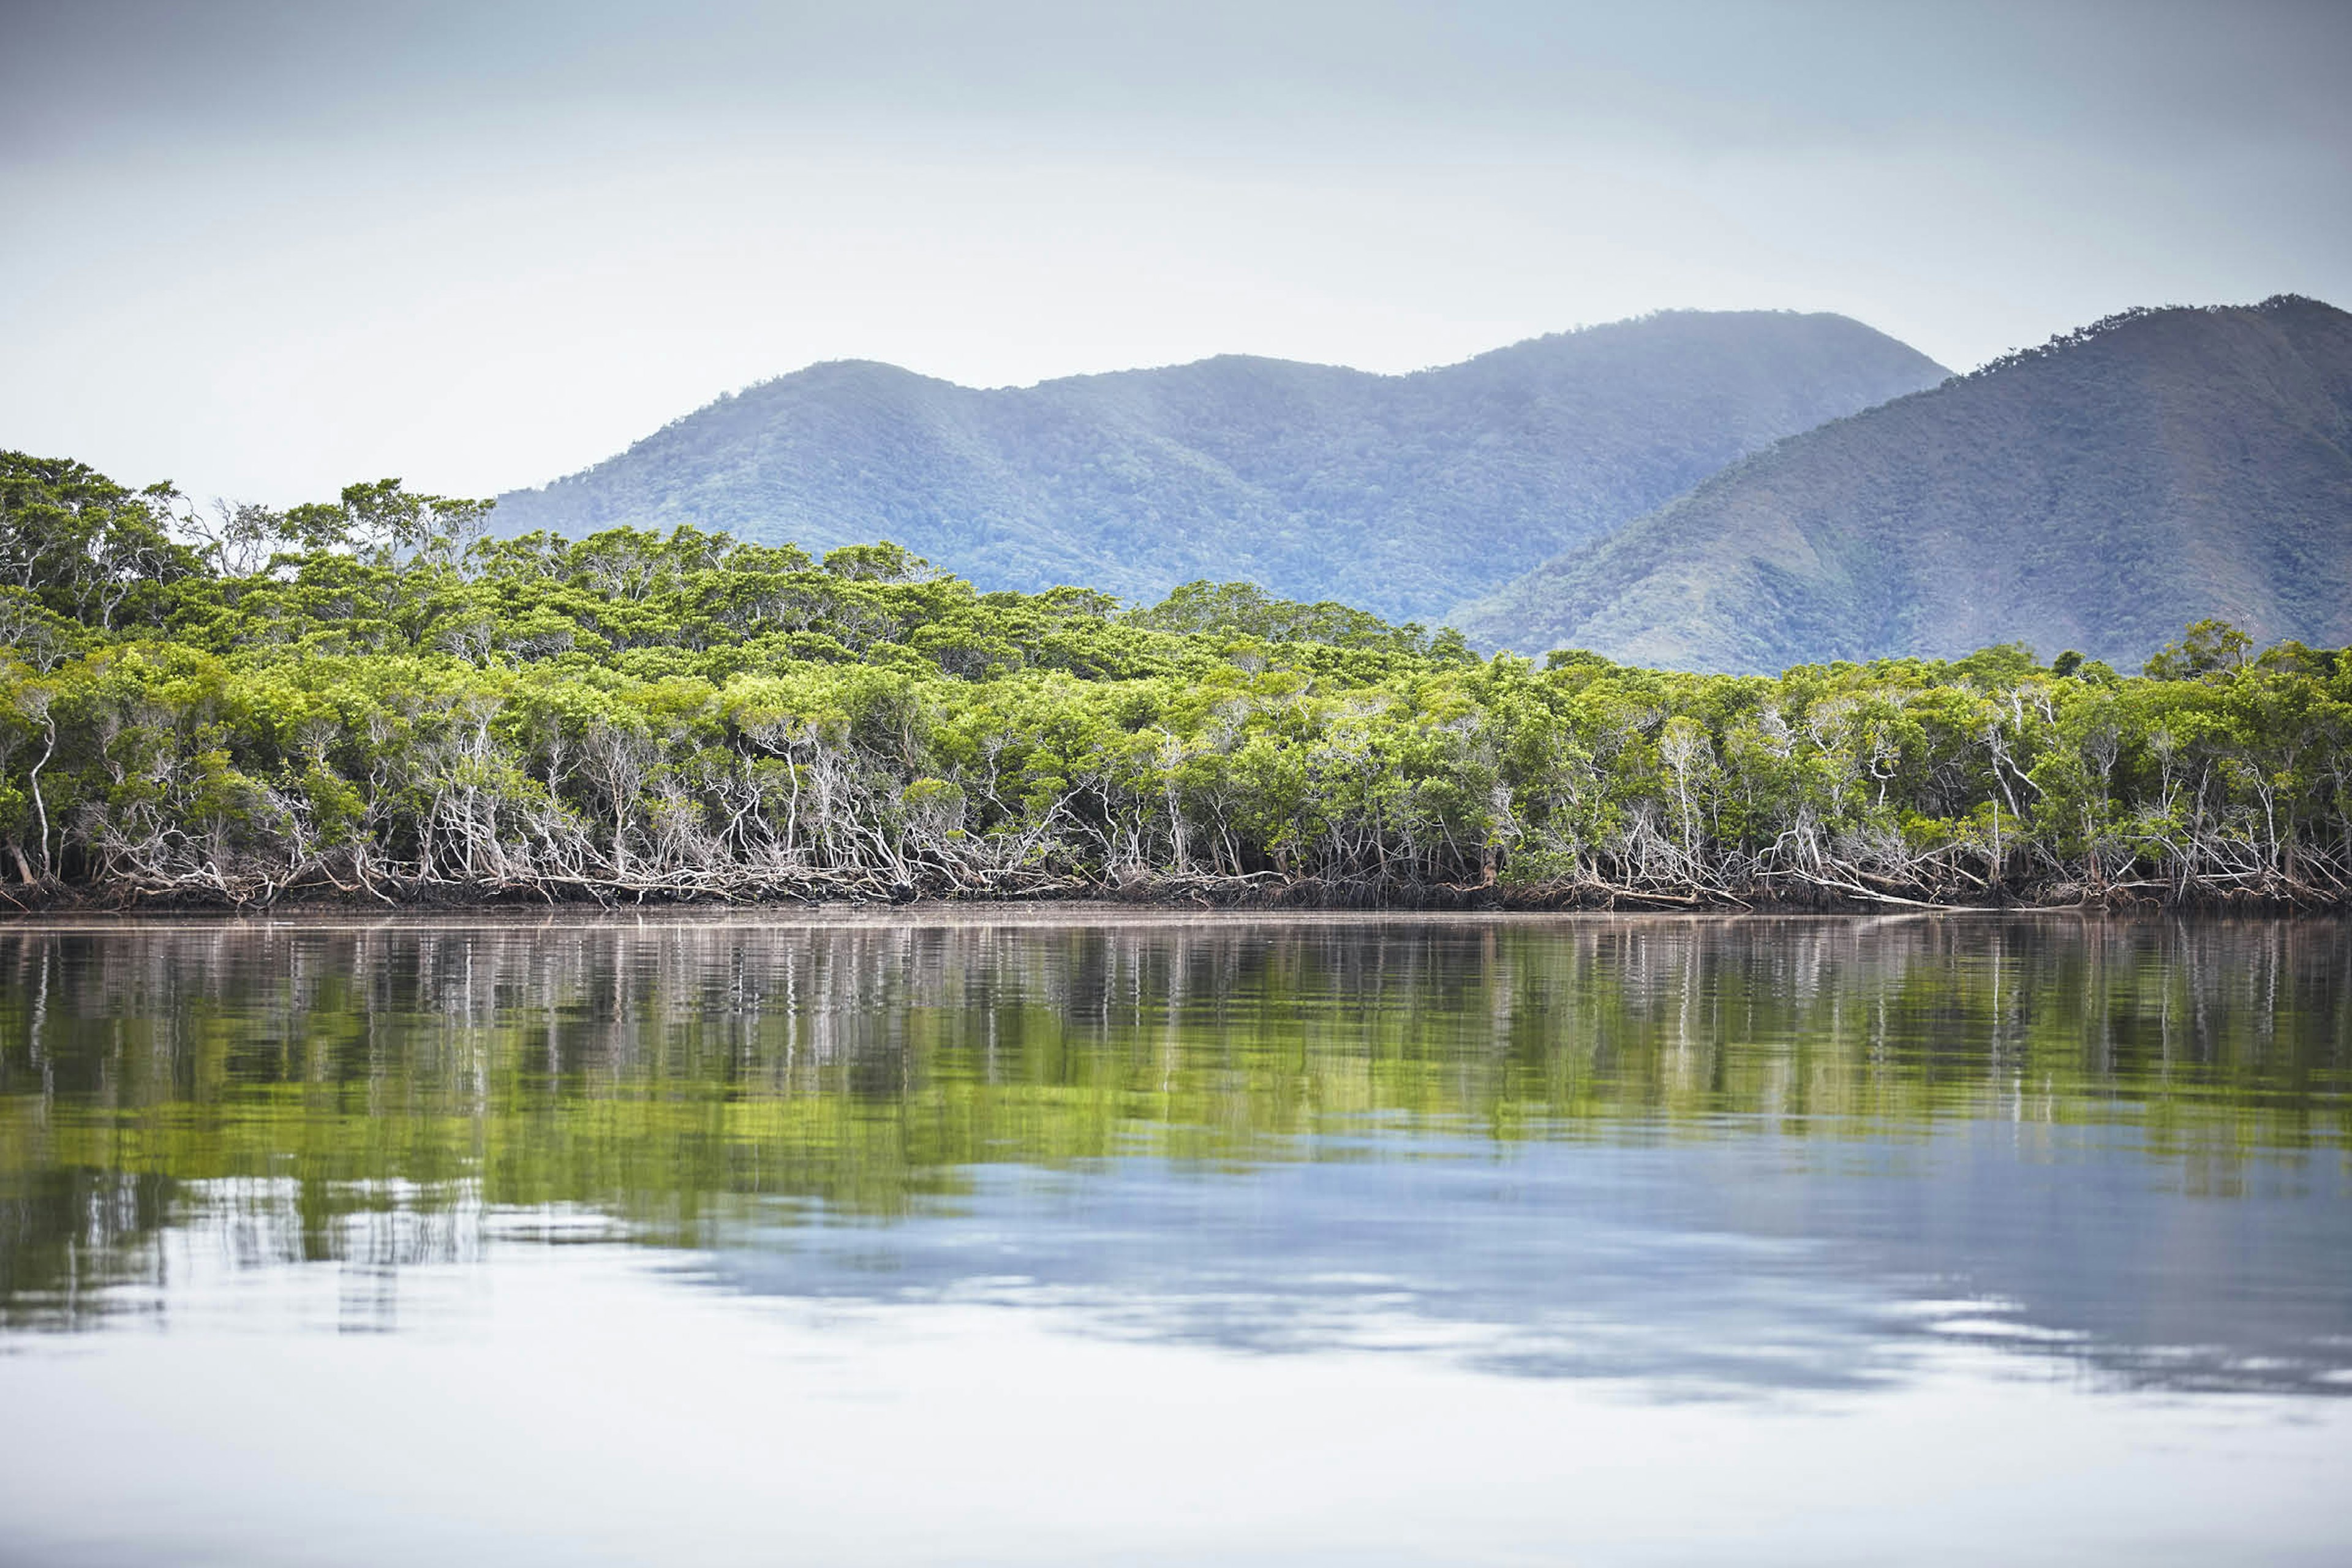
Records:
x=371, y=699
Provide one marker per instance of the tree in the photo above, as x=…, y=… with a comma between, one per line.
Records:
x=387, y=524
x=2208, y=647
x=240, y=537
x=86, y=547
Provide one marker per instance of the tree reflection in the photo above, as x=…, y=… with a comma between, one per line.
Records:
x=377, y=1094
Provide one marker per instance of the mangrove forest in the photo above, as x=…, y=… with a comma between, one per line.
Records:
x=380, y=700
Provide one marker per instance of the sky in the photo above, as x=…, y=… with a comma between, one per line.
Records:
x=263, y=250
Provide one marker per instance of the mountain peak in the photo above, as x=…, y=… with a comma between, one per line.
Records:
x=1401, y=493
x=2097, y=492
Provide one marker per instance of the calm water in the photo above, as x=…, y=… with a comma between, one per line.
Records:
x=1032, y=1238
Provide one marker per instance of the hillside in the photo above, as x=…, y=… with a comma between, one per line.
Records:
x=1404, y=494
x=2096, y=494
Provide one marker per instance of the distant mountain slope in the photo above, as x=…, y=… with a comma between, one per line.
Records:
x=2096, y=494
x=1403, y=494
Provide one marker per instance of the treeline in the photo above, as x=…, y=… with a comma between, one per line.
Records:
x=372, y=699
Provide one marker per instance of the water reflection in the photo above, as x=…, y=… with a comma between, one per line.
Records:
x=1696, y=1155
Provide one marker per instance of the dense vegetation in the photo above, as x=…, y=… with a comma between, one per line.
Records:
x=370, y=699
x=2098, y=493
x=1316, y=482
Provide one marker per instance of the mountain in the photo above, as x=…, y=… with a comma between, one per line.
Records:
x=2096, y=494
x=1404, y=494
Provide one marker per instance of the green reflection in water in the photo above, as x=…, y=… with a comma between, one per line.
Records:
x=323, y=1088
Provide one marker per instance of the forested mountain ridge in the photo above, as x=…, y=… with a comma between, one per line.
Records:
x=2095, y=493
x=365, y=700
x=1403, y=494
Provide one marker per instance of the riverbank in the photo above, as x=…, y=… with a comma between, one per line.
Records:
x=1245, y=893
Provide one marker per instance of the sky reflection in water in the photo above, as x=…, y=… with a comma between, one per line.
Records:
x=1663, y=1160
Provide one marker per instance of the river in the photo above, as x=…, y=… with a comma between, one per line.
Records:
x=1076, y=1235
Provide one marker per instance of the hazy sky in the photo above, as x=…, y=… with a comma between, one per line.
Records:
x=264, y=249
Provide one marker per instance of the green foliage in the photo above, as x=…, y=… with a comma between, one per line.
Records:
x=883, y=563
x=1246, y=610
x=83, y=547
x=2208, y=647
x=388, y=716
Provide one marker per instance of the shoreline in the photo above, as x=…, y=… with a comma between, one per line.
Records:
x=1116, y=906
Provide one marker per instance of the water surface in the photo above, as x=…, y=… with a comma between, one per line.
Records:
x=1038, y=1237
